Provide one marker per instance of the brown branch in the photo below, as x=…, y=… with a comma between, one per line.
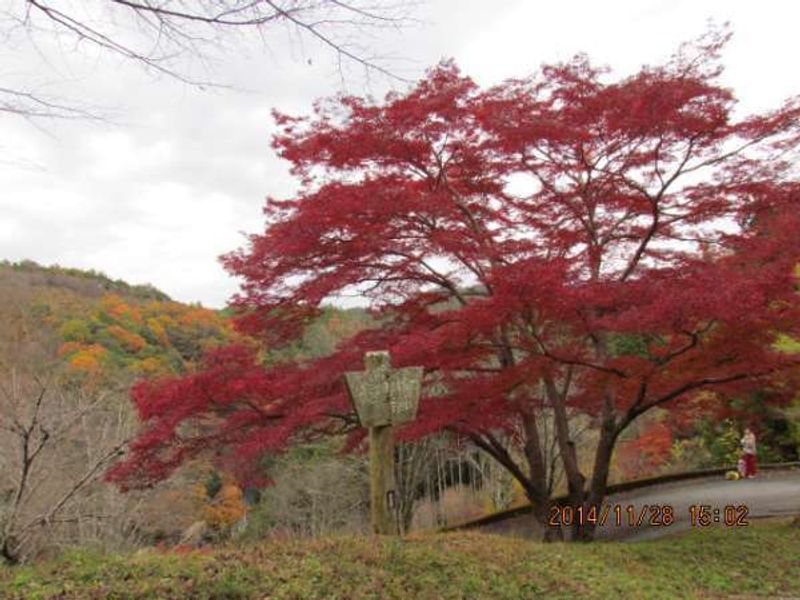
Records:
x=693, y=385
x=654, y=200
x=575, y=362
x=694, y=339
x=87, y=477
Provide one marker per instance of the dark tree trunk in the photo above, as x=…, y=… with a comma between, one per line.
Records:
x=9, y=551
x=537, y=489
x=534, y=482
x=598, y=485
x=566, y=447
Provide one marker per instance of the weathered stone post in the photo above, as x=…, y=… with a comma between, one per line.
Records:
x=383, y=397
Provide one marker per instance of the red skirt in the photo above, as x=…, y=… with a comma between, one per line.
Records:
x=750, y=468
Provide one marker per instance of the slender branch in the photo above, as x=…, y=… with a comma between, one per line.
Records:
x=692, y=385
x=87, y=477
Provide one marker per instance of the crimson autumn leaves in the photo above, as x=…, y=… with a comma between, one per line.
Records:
x=563, y=246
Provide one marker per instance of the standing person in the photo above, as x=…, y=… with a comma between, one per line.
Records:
x=749, y=450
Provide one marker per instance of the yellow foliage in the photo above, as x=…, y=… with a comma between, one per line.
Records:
x=518, y=492
x=787, y=344
x=156, y=326
x=75, y=330
x=198, y=493
x=151, y=338
x=152, y=367
x=487, y=504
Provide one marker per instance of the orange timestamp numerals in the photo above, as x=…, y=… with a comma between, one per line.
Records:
x=648, y=515
x=730, y=515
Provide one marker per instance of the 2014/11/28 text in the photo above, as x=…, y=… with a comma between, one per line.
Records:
x=648, y=515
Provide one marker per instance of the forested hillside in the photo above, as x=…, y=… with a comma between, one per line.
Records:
x=71, y=345
x=109, y=327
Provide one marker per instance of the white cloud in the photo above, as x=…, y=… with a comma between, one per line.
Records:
x=158, y=198
x=10, y=230
x=114, y=155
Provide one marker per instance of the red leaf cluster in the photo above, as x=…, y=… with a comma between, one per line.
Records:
x=609, y=245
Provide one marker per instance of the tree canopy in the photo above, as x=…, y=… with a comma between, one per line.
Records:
x=561, y=244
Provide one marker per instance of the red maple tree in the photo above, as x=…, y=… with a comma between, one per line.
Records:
x=557, y=246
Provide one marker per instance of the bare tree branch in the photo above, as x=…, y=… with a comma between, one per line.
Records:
x=170, y=37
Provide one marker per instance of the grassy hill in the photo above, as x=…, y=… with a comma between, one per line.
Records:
x=761, y=561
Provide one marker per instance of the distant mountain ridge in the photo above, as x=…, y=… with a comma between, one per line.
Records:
x=89, y=283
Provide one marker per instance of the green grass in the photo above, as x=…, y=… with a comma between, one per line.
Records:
x=760, y=561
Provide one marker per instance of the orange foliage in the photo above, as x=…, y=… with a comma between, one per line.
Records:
x=151, y=337
x=152, y=367
x=129, y=340
x=88, y=358
x=226, y=508
x=120, y=310
x=68, y=348
x=199, y=317
x=114, y=306
x=643, y=456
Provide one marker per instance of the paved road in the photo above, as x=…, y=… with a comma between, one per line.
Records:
x=769, y=495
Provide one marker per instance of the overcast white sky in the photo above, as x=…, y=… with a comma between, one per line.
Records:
x=158, y=196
